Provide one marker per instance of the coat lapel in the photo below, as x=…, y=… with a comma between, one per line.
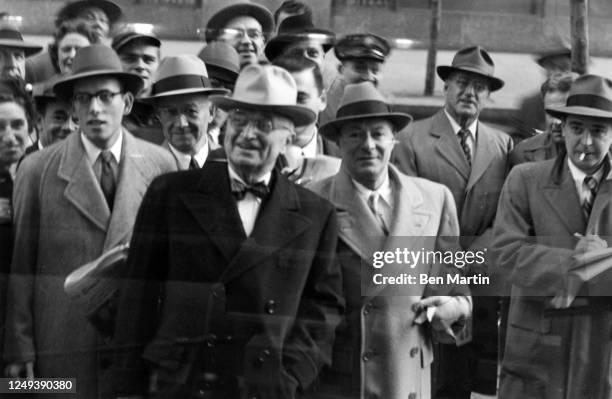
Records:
x=601, y=214
x=560, y=192
x=133, y=177
x=213, y=207
x=448, y=145
x=277, y=224
x=483, y=156
x=83, y=189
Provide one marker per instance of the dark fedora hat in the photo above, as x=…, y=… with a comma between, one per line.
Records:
x=132, y=32
x=225, y=15
x=296, y=28
x=474, y=60
x=590, y=95
x=42, y=93
x=363, y=101
x=222, y=61
x=71, y=10
x=97, y=60
x=11, y=37
x=362, y=45
x=181, y=74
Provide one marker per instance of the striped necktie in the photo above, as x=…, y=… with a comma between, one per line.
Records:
x=193, y=165
x=373, y=205
x=464, y=134
x=592, y=186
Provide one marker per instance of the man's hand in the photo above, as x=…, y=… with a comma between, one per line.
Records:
x=20, y=370
x=449, y=310
x=590, y=242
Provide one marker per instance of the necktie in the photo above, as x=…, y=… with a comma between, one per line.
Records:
x=464, y=134
x=107, y=177
x=193, y=165
x=373, y=205
x=239, y=189
x=592, y=186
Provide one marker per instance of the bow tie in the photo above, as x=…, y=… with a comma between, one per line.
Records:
x=239, y=189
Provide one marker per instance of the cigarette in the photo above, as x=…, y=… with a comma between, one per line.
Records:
x=581, y=157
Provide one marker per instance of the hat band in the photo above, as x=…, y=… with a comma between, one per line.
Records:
x=590, y=101
x=10, y=35
x=181, y=82
x=361, y=108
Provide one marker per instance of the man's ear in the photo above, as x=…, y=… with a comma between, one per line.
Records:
x=340, y=68
x=128, y=100
x=211, y=111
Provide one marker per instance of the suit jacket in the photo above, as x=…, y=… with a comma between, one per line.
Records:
x=217, y=155
x=537, y=148
x=63, y=221
x=382, y=323
x=258, y=311
x=539, y=214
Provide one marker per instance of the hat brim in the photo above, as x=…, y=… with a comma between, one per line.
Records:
x=208, y=92
x=561, y=112
x=300, y=115
x=277, y=44
x=494, y=83
x=133, y=83
x=331, y=130
x=221, y=18
x=28, y=48
x=71, y=10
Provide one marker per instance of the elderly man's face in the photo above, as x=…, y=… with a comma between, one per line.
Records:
x=466, y=94
x=12, y=62
x=67, y=48
x=99, y=104
x=311, y=49
x=184, y=120
x=13, y=132
x=141, y=59
x=96, y=20
x=253, y=141
x=366, y=147
x=587, y=141
x=245, y=34
x=57, y=122
x=553, y=125
x=361, y=70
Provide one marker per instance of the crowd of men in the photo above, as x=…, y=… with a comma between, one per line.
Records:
x=253, y=198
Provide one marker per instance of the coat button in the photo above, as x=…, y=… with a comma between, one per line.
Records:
x=412, y=395
x=270, y=307
x=414, y=351
x=367, y=356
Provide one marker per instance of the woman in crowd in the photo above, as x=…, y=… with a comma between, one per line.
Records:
x=68, y=38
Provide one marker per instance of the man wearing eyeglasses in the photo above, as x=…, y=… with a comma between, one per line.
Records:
x=245, y=26
x=232, y=287
x=74, y=201
x=179, y=96
x=456, y=149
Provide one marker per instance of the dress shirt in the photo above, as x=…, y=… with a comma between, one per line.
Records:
x=93, y=154
x=184, y=159
x=578, y=176
x=248, y=207
x=385, y=198
x=471, y=141
x=310, y=149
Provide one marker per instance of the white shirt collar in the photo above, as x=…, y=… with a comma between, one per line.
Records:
x=456, y=127
x=578, y=175
x=185, y=159
x=310, y=149
x=384, y=190
x=93, y=152
x=234, y=175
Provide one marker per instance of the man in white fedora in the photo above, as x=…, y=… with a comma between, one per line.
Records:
x=180, y=96
x=74, y=201
x=383, y=349
x=232, y=287
x=550, y=211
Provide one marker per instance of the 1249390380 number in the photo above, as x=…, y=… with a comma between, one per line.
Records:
x=38, y=385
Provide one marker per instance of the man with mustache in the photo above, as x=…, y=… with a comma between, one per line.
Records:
x=546, y=145
x=245, y=26
x=13, y=53
x=179, y=96
x=456, y=149
x=232, y=289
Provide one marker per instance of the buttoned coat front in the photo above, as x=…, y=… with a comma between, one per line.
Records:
x=257, y=311
x=379, y=350
x=539, y=220
x=62, y=221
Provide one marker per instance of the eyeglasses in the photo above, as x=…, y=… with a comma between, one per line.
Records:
x=233, y=34
x=105, y=97
x=263, y=122
x=190, y=112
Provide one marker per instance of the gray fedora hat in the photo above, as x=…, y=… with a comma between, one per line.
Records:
x=590, y=95
x=474, y=60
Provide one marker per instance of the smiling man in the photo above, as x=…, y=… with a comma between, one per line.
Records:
x=456, y=149
x=180, y=98
x=74, y=201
